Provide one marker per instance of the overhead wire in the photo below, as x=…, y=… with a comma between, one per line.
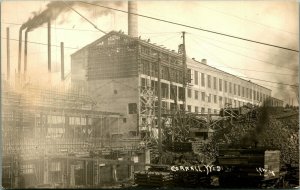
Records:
x=287, y=74
x=238, y=53
x=222, y=72
x=94, y=25
x=236, y=45
x=193, y=27
x=59, y=28
x=39, y=43
x=241, y=18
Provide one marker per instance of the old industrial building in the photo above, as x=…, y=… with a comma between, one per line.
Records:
x=90, y=133
x=121, y=73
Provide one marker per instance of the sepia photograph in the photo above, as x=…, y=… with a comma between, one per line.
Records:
x=149, y=94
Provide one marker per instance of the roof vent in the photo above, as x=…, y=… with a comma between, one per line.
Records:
x=204, y=61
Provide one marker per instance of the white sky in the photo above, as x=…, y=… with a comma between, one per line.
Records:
x=273, y=22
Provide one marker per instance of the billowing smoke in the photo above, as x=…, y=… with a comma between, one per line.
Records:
x=253, y=137
x=287, y=60
x=57, y=8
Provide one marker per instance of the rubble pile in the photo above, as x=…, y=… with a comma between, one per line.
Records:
x=267, y=131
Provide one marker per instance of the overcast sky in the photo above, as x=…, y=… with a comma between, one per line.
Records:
x=273, y=22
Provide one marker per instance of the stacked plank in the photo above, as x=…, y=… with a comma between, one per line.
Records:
x=191, y=179
x=159, y=179
x=180, y=147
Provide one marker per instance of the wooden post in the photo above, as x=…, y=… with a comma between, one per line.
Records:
x=159, y=112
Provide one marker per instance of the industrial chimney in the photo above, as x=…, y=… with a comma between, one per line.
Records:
x=8, y=53
x=132, y=19
x=25, y=52
x=20, y=52
x=49, y=46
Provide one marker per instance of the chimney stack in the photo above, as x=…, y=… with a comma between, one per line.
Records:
x=8, y=53
x=132, y=19
x=62, y=60
x=20, y=53
x=25, y=52
x=49, y=46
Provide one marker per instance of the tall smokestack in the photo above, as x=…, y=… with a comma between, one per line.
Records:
x=132, y=19
x=20, y=53
x=49, y=46
x=8, y=53
x=62, y=60
x=25, y=53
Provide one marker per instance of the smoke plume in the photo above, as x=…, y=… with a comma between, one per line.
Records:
x=253, y=137
x=287, y=60
x=57, y=8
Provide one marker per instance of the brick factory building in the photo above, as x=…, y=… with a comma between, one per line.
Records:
x=121, y=73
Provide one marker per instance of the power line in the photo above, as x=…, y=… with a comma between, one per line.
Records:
x=95, y=26
x=287, y=74
x=265, y=25
x=193, y=27
x=39, y=43
x=237, y=53
x=219, y=71
x=236, y=45
x=254, y=70
x=59, y=28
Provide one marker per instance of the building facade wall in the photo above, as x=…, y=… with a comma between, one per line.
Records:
x=211, y=89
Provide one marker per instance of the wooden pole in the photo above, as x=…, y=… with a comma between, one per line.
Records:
x=159, y=111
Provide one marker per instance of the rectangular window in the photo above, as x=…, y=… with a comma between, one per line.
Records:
x=189, y=93
x=215, y=111
x=196, y=77
x=220, y=99
x=260, y=96
x=250, y=93
x=230, y=87
x=173, y=93
x=234, y=89
x=202, y=80
x=132, y=108
x=189, y=108
x=196, y=109
x=181, y=93
x=165, y=90
x=220, y=84
x=209, y=111
x=239, y=90
x=243, y=91
x=209, y=98
x=215, y=99
x=208, y=81
x=202, y=110
x=215, y=83
x=189, y=76
x=247, y=93
x=203, y=96
x=225, y=86
x=254, y=95
x=196, y=94
x=257, y=96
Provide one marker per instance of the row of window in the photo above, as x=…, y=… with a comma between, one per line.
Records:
x=256, y=95
x=29, y=168
x=151, y=69
x=227, y=87
x=166, y=89
x=203, y=110
x=164, y=57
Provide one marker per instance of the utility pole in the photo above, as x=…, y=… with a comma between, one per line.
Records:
x=8, y=53
x=159, y=112
x=184, y=70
